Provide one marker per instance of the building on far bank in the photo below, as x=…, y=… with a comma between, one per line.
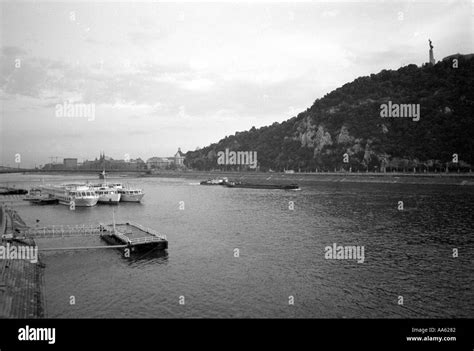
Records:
x=70, y=163
x=176, y=161
x=179, y=158
x=158, y=162
x=108, y=163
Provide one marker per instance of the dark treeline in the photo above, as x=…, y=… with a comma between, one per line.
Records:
x=344, y=129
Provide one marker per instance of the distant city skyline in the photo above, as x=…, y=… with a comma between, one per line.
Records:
x=157, y=76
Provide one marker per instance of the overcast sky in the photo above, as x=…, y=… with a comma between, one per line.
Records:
x=169, y=75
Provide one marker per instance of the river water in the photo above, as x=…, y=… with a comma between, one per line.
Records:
x=261, y=253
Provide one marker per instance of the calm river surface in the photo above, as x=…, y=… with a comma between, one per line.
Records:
x=408, y=253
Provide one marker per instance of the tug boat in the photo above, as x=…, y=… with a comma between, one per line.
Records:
x=35, y=196
x=102, y=175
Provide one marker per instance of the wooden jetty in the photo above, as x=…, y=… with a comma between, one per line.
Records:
x=133, y=235
x=21, y=281
x=21, y=289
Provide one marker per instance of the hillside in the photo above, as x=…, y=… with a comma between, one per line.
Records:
x=348, y=121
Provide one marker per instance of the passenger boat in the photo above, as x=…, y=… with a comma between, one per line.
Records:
x=262, y=186
x=82, y=195
x=128, y=193
x=107, y=194
x=131, y=194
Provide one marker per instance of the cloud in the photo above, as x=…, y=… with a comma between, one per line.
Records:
x=216, y=69
x=199, y=84
x=141, y=38
x=12, y=51
x=329, y=13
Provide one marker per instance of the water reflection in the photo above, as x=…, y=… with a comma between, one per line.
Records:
x=152, y=256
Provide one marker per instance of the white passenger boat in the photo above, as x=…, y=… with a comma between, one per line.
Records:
x=128, y=193
x=131, y=194
x=107, y=194
x=79, y=194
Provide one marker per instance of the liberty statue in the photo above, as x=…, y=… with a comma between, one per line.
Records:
x=432, y=60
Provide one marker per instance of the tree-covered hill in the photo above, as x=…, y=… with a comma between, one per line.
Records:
x=348, y=121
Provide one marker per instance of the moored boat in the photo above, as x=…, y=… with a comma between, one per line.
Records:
x=35, y=196
x=131, y=194
x=107, y=194
x=67, y=194
x=128, y=193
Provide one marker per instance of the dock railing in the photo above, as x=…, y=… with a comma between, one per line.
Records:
x=122, y=236
x=145, y=240
x=147, y=230
x=62, y=231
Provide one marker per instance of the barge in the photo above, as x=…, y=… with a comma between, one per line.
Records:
x=217, y=181
x=262, y=186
